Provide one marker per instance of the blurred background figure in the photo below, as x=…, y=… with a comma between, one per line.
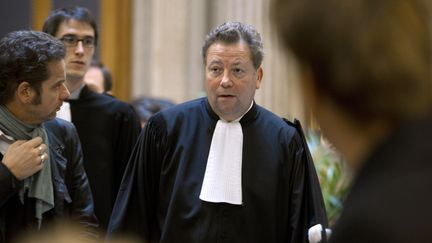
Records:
x=98, y=78
x=366, y=76
x=148, y=106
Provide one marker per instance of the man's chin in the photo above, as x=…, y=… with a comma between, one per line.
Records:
x=75, y=76
x=51, y=116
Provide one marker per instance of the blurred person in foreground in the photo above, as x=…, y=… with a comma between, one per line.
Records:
x=221, y=168
x=366, y=68
x=108, y=128
x=65, y=232
x=42, y=178
x=98, y=78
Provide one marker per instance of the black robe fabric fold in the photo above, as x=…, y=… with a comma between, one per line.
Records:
x=159, y=195
x=108, y=129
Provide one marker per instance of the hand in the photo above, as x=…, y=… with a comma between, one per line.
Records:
x=25, y=158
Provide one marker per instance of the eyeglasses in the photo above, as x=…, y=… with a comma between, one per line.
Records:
x=72, y=41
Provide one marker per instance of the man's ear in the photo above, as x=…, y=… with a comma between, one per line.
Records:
x=25, y=92
x=260, y=74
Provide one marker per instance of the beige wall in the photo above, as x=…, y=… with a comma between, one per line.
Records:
x=166, y=57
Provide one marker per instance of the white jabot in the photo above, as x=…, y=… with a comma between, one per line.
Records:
x=223, y=175
x=65, y=112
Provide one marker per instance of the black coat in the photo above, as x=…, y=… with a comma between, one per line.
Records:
x=108, y=129
x=72, y=195
x=391, y=200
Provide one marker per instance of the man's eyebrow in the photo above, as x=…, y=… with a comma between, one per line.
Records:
x=215, y=62
x=73, y=35
x=240, y=62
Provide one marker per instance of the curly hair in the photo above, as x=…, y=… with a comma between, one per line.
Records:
x=24, y=57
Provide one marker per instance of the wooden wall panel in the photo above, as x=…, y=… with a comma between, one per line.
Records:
x=40, y=10
x=115, y=43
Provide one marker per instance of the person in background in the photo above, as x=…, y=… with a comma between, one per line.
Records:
x=221, y=168
x=98, y=78
x=147, y=107
x=42, y=178
x=108, y=128
x=366, y=76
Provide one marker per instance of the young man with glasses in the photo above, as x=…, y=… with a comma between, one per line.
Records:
x=108, y=128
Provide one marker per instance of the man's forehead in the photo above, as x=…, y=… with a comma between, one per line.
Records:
x=237, y=52
x=72, y=26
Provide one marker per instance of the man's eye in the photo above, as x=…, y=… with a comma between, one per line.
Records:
x=215, y=70
x=238, y=71
x=69, y=39
x=88, y=41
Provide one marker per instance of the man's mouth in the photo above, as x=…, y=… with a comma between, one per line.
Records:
x=78, y=62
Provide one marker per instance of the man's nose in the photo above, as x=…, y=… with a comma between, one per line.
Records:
x=79, y=49
x=64, y=93
x=226, y=80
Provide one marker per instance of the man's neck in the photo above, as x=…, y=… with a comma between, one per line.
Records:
x=21, y=114
x=73, y=83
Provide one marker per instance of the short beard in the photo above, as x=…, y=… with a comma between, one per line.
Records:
x=37, y=100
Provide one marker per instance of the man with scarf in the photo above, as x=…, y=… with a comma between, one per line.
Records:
x=42, y=179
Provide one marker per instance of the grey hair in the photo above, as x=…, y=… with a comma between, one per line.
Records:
x=233, y=32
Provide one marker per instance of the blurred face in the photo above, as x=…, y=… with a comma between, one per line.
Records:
x=94, y=79
x=231, y=79
x=78, y=53
x=53, y=93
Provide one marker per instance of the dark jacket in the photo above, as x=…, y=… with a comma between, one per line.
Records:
x=108, y=129
x=390, y=200
x=72, y=195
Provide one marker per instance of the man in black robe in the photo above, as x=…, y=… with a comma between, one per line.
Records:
x=108, y=128
x=221, y=168
x=367, y=79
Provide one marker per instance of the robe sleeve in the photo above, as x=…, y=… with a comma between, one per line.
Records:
x=307, y=207
x=134, y=212
x=128, y=129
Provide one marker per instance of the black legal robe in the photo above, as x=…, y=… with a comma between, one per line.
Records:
x=159, y=195
x=108, y=129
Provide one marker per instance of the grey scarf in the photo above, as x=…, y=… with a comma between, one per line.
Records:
x=39, y=185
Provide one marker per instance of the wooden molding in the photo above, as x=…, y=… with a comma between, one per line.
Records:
x=115, y=43
x=40, y=11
